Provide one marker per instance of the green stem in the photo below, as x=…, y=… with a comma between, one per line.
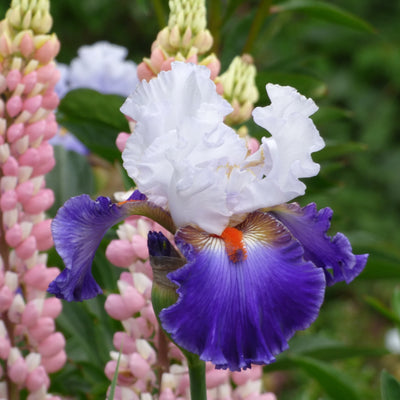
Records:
x=197, y=375
x=261, y=13
x=214, y=23
x=160, y=15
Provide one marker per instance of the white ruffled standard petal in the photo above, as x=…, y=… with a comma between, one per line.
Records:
x=293, y=138
x=180, y=150
x=184, y=158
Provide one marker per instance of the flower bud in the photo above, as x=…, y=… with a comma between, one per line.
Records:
x=52, y=307
x=26, y=248
x=8, y=200
x=54, y=363
x=163, y=259
x=5, y=347
x=44, y=327
x=138, y=365
x=37, y=378
x=42, y=233
x=40, y=202
x=18, y=371
x=216, y=377
x=14, y=106
x=167, y=394
x=240, y=88
x=6, y=298
x=121, y=253
x=31, y=313
x=13, y=79
x=26, y=45
x=52, y=345
x=122, y=341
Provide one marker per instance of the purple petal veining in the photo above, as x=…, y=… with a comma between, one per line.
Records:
x=334, y=255
x=77, y=231
x=235, y=314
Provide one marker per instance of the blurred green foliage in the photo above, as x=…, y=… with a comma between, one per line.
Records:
x=346, y=55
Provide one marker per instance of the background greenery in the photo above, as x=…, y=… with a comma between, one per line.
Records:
x=349, y=62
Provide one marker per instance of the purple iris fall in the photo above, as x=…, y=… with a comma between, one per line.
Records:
x=256, y=267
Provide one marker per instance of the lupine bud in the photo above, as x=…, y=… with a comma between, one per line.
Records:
x=27, y=248
x=54, y=363
x=37, y=378
x=122, y=341
x=5, y=347
x=31, y=313
x=121, y=253
x=139, y=244
x=216, y=377
x=44, y=327
x=52, y=307
x=18, y=371
x=40, y=202
x=167, y=394
x=240, y=89
x=123, y=137
x=138, y=365
x=52, y=345
x=42, y=233
x=6, y=298
x=14, y=106
x=8, y=200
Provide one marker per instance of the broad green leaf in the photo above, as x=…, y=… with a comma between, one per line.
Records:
x=98, y=137
x=305, y=84
x=390, y=387
x=326, y=114
x=71, y=176
x=334, y=382
x=326, y=349
x=332, y=151
x=91, y=105
x=327, y=12
x=70, y=381
x=381, y=267
x=95, y=119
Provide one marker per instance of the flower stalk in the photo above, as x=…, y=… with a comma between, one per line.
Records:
x=31, y=349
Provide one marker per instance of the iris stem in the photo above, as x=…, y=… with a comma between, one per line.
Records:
x=197, y=375
x=262, y=12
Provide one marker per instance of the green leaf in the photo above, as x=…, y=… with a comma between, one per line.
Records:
x=326, y=114
x=332, y=151
x=326, y=12
x=96, y=136
x=305, y=84
x=71, y=176
x=115, y=377
x=378, y=306
x=95, y=119
x=381, y=267
x=334, y=383
x=326, y=349
x=230, y=9
x=390, y=387
x=396, y=301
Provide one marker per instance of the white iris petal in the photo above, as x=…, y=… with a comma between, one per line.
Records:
x=183, y=157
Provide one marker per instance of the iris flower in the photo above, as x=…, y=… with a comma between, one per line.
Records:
x=256, y=268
